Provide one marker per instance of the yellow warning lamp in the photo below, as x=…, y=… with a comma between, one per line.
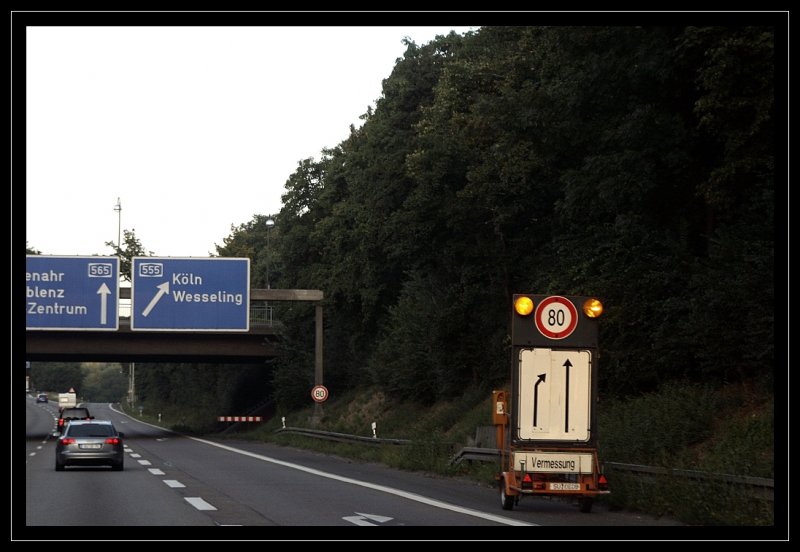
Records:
x=592, y=308
x=523, y=306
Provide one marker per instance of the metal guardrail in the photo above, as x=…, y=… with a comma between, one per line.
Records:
x=760, y=487
x=475, y=453
x=342, y=437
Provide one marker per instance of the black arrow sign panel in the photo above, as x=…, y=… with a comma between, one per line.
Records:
x=567, y=365
x=536, y=397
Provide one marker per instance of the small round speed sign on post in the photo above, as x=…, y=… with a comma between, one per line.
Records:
x=556, y=317
x=319, y=393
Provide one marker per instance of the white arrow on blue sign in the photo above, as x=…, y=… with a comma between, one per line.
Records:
x=71, y=293
x=190, y=294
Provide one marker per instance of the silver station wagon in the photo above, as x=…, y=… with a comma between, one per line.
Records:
x=90, y=443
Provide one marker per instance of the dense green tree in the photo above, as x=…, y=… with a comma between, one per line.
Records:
x=632, y=163
x=131, y=247
x=57, y=377
x=104, y=382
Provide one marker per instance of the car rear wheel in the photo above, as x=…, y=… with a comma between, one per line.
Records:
x=118, y=467
x=59, y=467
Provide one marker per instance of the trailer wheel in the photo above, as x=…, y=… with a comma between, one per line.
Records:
x=507, y=502
x=585, y=505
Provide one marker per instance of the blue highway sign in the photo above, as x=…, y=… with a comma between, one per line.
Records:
x=71, y=293
x=190, y=294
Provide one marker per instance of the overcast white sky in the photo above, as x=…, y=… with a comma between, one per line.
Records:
x=193, y=128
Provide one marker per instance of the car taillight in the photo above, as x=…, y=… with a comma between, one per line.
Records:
x=527, y=482
x=602, y=482
x=67, y=441
x=112, y=441
x=60, y=422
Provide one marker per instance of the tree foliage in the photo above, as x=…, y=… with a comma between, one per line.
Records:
x=57, y=377
x=636, y=164
x=131, y=247
x=104, y=382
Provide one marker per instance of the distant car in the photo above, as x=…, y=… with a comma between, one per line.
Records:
x=41, y=397
x=66, y=415
x=90, y=443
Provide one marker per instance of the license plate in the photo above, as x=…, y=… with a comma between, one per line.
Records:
x=565, y=486
x=90, y=446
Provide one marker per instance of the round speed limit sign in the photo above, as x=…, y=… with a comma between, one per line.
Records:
x=556, y=317
x=319, y=393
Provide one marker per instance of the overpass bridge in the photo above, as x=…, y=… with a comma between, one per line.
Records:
x=124, y=345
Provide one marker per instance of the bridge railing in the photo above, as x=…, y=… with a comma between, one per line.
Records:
x=260, y=315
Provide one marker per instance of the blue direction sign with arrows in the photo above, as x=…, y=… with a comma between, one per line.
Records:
x=190, y=294
x=71, y=293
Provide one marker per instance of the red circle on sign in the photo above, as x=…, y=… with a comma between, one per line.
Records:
x=553, y=323
x=319, y=393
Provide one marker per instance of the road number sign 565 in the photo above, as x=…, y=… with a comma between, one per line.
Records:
x=556, y=317
x=319, y=393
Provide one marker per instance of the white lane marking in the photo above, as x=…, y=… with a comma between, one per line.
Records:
x=361, y=519
x=136, y=455
x=174, y=483
x=382, y=488
x=32, y=454
x=198, y=503
x=155, y=471
x=39, y=447
x=145, y=462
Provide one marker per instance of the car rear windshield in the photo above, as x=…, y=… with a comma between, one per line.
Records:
x=90, y=430
x=75, y=413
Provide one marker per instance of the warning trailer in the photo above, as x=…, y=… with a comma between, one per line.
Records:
x=546, y=426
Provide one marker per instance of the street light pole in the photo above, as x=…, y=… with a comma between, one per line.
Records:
x=118, y=209
x=270, y=222
x=131, y=366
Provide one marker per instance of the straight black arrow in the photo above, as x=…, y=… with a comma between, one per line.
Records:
x=536, y=397
x=567, y=365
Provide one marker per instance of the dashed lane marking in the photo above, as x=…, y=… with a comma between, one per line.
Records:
x=174, y=483
x=156, y=471
x=381, y=488
x=198, y=503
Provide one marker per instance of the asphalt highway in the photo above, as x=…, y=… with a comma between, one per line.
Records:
x=175, y=480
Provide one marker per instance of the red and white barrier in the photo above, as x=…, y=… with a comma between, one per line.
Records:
x=239, y=418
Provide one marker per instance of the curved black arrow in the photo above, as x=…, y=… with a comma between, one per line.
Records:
x=536, y=397
x=567, y=365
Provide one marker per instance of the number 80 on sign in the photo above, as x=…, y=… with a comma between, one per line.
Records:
x=319, y=393
x=556, y=317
